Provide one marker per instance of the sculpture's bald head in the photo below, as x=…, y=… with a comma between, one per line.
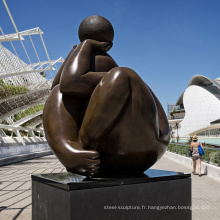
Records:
x=97, y=28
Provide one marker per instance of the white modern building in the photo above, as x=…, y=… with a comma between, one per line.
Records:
x=197, y=111
x=24, y=86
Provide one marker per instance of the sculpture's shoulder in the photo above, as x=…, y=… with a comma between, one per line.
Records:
x=102, y=62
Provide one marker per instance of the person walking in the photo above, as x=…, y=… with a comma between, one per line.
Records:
x=195, y=154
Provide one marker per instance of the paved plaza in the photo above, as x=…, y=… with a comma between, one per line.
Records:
x=15, y=188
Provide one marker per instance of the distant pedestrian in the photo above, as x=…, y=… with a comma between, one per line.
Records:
x=190, y=140
x=195, y=154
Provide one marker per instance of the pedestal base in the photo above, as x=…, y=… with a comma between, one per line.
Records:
x=158, y=195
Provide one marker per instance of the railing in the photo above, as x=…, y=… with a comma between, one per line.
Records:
x=211, y=156
x=35, y=134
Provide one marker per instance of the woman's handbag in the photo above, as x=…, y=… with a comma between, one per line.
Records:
x=201, y=151
x=190, y=153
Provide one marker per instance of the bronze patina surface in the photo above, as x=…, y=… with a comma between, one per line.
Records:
x=101, y=118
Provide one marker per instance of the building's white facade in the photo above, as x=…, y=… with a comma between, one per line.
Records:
x=197, y=111
x=24, y=85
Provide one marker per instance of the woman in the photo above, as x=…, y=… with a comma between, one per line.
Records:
x=195, y=154
x=100, y=112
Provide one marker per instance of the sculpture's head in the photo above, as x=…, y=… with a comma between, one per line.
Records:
x=97, y=28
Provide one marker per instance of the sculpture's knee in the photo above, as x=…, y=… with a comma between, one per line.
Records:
x=118, y=73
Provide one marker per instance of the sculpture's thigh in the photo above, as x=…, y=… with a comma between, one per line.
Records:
x=105, y=107
x=121, y=122
x=123, y=102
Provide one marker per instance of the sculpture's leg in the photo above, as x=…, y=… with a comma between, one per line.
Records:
x=106, y=104
x=60, y=118
x=122, y=122
x=109, y=102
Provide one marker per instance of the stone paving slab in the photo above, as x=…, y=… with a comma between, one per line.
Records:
x=15, y=188
x=205, y=191
x=15, y=185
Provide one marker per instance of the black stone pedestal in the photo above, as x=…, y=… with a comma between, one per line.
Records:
x=157, y=195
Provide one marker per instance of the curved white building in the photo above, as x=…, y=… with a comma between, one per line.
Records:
x=197, y=111
x=24, y=85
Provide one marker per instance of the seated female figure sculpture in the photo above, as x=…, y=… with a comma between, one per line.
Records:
x=101, y=118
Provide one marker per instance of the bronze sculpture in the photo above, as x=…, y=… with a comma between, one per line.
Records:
x=101, y=118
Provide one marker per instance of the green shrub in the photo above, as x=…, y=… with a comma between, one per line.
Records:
x=28, y=111
x=7, y=90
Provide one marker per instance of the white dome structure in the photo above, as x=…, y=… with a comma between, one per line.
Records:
x=197, y=111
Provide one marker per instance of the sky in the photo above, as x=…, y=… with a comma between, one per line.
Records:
x=166, y=42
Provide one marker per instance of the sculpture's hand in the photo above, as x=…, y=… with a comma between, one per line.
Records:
x=104, y=46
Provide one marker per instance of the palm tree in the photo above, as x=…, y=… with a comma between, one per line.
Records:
x=171, y=132
x=176, y=127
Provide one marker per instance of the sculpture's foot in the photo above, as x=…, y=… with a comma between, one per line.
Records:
x=85, y=163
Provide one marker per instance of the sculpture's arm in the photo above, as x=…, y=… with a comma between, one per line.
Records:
x=57, y=77
x=77, y=78
x=62, y=134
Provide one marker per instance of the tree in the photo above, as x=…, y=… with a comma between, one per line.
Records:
x=176, y=127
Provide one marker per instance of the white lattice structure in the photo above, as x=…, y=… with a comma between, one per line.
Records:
x=23, y=87
x=16, y=72
x=201, y=106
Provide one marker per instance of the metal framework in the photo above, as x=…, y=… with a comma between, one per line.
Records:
x=23, y=87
